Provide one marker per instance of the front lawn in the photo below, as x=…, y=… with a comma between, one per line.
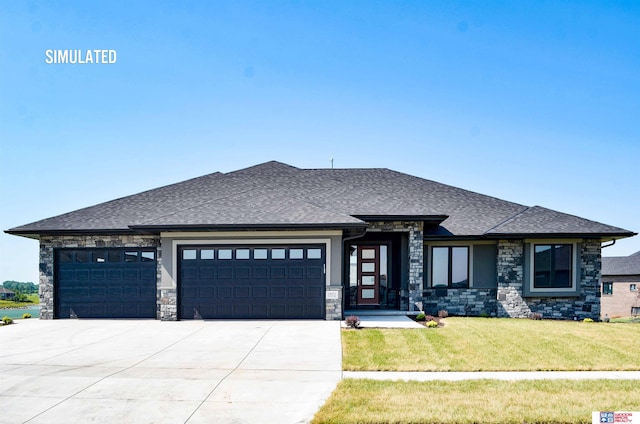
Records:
x=476, y=401
x=488, y=344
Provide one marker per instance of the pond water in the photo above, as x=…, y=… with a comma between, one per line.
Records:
x=16, y=313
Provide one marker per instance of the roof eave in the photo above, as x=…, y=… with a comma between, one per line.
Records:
x=36, y=234
x=603, y=236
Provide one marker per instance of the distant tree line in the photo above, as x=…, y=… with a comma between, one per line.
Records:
x=21, y=288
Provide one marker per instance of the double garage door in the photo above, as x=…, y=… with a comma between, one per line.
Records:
x=106, y=283
x=273, y=282
x=251, y=281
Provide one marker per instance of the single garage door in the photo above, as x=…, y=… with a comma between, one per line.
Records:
x=105, y=283
x=252, y=281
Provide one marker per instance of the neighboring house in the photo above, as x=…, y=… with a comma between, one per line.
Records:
x=621, y=286
x=275, y=241
x=6, y=294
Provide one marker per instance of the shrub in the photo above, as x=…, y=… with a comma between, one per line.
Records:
x=484, y=314
x=420, y=317
x=430, y=318
x=587, y=320
x=352, y=321
x=443, y=313
x=535, y=316
x=26, y=316
x=7, y=320
x=432, y=324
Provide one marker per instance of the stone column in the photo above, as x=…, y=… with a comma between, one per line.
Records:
x=589, y=278
x=510, y=279
x=416, y=266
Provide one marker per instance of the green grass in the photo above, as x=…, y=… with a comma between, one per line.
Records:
x=481, y=344
x=476, y=401
x=32, y=299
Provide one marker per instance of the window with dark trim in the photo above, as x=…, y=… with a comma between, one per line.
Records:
x=553, y=266
x=633, y=287
x=635, y=310
x=450, y=266
x=607, y=287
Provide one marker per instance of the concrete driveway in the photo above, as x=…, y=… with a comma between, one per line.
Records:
x=139, y=371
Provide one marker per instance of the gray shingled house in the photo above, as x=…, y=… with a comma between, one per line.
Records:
x=620, y=286
x=275, y=241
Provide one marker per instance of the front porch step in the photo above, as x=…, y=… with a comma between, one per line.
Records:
x=377, y=312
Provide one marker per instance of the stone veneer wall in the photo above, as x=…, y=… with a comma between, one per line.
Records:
x=411, y=299
x=49, y=243
x=333, y=303
x=465, y=302
x=511, y=302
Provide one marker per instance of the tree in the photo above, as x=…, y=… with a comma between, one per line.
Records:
x=19, y=287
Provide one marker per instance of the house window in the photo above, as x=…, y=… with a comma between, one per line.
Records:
x=633, y=287
x=553, y=266
x=607, y=288
x=450, y=267
x=635, y=310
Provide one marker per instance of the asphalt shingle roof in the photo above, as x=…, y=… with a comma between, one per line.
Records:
x=276, y=194
x=621, y=265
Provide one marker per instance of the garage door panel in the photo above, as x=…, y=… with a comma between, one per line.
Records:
x=225, y=292
x=131, y=274
x=82, y=275
x=207, y=272
x=98, y=283
x=115, y=274
x=260, y=272
x=115, y=292
x=148, y=274
x=295, y=292
x=314, y=292
x=97, y=292
x=206, y=293
x=225, y=273
x=242, y=292
x=278, y=292
x=260, y=292
x=296, y=272
x=98, y=275
x=278, y=273
x=252, y=281
x=314, y=272
x=243, y=273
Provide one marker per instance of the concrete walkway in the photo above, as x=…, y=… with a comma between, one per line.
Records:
x=146, y=371
x=493, y=375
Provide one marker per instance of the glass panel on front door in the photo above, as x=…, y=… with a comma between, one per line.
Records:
x=368, y=258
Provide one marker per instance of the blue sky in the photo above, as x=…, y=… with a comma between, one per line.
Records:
x=535, y=102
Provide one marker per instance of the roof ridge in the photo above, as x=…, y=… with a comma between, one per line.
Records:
x=202, y=203
x=526, y=208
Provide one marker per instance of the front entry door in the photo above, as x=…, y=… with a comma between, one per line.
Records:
x=369, y=275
